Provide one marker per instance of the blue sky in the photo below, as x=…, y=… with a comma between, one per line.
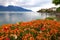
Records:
x=29, y=4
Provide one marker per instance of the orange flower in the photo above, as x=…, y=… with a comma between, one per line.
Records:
x=31, y=38
x=43, y=29
x=1, y=37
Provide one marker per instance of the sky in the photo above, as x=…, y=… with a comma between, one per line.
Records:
x=33, y=5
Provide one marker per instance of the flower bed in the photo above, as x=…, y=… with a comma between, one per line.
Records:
x=33, y=30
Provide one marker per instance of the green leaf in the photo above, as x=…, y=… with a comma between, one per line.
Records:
x=21, y=34
x=34, y=34
x=0, y=34
x=19, y=38
x=12, y=38
x=13, y=27
x=26, y=31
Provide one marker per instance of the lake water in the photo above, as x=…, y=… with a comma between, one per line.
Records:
x=13, y=17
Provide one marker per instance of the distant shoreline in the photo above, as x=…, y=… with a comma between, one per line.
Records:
x=14, y=11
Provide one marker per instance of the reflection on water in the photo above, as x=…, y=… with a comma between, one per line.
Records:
x=13, y=17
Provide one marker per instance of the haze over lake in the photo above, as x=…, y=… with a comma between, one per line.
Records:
x=13, y=17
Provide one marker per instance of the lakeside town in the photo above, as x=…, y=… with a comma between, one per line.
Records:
x=50, y=10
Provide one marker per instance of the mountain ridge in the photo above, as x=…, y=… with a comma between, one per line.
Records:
x=13, y=8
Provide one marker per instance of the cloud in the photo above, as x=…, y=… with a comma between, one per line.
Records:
x=29, y=4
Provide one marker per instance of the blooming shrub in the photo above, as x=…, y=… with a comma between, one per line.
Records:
x=33, y=30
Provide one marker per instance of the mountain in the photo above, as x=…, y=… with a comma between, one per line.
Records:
x=12, y=8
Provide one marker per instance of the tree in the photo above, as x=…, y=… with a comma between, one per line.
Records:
x=58, y=9
x=56, y=2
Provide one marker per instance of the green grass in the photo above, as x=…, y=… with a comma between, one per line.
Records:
x=52, y=18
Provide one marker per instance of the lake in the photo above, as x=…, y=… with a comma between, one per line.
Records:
x=13, y=17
